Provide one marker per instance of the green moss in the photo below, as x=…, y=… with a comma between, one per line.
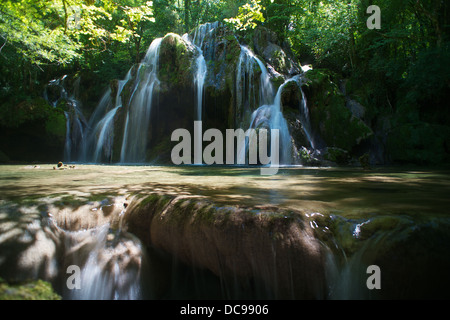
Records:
x=56, y=125
x=337, y=155
x=154, y=199
x=329, y=114
x=31, y=290
x=175, y=61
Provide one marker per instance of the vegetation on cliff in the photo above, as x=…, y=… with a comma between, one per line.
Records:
x=398, y=73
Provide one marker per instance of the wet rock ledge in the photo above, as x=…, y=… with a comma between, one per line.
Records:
x=271, y=245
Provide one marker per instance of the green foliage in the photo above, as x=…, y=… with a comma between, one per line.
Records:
x=419, y=143
x=400, y=71
x=248, y=16
x=47, y=31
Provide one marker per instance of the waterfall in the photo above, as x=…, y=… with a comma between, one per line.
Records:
x=105, y=134
x=111, y=265
x=256, y=104
x=249, y=96
x=199, y=80
x=271, y=117
x=268, y=113
x=201, y=71
x=100, y=141
x=303, y=109
x=304, y=118
x=134, y=144
x=76, y=124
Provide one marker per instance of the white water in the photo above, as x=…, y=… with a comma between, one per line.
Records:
x=76, y=124
x=200, y=74
x=264, y=107
x=304, y=111
x=111, y=265
x=248, y=96
x=271, y=117
x=199, y=81
x=134, y=144
x=99, y=145
x=105, y=135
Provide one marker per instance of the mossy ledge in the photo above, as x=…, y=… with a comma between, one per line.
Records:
x=29, y=290
x=266, y=243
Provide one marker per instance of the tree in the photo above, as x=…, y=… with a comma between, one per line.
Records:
x=248, y=16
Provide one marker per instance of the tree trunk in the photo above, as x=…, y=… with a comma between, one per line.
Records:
x=187, y=13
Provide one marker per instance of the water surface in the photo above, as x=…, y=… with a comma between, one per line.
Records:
x=347, y=191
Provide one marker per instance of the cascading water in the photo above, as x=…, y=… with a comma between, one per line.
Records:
x=76, y=124
x=201, y=71
x=112, y=264
x=268, y=113
x=304, y=118
x=248, y=95
x=201, y=68
x=100, y=140
x=256, y=104
x=199, y=80
x=271, y=117
x=134, y=144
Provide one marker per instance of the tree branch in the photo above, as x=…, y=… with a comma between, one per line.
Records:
x=6, y=40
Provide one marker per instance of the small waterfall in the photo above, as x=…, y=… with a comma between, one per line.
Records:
x=304, y=118
x=76, y=124
x=201, y=70
x=303, y=109
x=112, y=264
x=96, y=117
x=271, y=117
x=202, y=31
x=100, y=141
x=268, y=112
x=249, y=96
x=134, y=144
x=105, y=135
x=199, y=81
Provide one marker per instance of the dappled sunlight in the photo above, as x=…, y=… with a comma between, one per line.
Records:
x=330, y=188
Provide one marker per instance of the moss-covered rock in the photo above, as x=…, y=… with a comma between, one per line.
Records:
x=336, y=124
x=30, y=290
x=176, y=62
x=266, y=44
x=336, y=155
x=221, y=50
x=32, y=130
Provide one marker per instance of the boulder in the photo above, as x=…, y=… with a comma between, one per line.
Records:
x=276, y=54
